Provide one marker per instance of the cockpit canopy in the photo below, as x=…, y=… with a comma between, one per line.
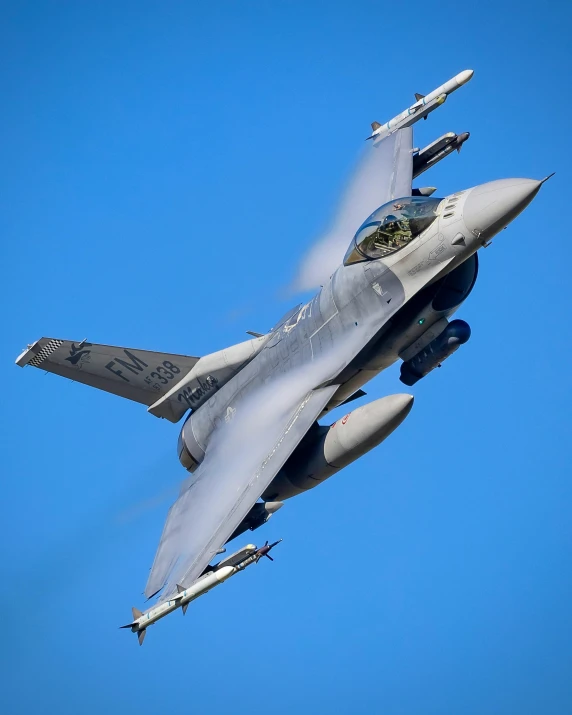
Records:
x=392, y=227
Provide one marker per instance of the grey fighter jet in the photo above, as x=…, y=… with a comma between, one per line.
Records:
x=251, y=438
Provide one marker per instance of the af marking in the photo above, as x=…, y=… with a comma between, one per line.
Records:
x=134, y=364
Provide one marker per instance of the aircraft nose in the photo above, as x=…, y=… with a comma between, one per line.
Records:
x=491, y=207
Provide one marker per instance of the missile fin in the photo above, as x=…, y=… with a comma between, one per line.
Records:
x=141, y=636
x=184, y=608
x=136, y=613
x=419, y=96
x=180, y=588
x=375, y=126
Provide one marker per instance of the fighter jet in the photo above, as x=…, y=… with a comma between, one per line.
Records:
x=251, y=438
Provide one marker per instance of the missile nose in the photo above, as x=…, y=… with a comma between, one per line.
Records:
x=464, y=76
x=492, y=206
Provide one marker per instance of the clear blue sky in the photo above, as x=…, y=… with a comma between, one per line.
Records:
x=165, y=166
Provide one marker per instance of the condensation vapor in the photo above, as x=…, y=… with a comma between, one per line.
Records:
x=241, y=457
x=360, y=198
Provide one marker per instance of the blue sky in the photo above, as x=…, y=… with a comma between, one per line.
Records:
x=166, y=165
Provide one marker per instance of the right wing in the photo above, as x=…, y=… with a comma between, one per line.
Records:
x=232, y=477
x=140, y=375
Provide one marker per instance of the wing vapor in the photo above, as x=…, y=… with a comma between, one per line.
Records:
x=384, y=173
x=231, y=479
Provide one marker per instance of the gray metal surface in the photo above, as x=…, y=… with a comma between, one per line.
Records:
x=140, y=375
x=254, y=403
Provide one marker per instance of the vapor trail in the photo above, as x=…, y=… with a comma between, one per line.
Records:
x=360, y=198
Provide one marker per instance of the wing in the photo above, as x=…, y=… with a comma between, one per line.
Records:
x=140, y=375
x=230, y=480
x=385, y=173
x=396, y=165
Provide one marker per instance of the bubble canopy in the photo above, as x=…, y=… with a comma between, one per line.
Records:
x=392, y=227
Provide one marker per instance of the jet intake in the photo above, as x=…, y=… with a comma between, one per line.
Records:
x=326, y=450
x=453, y=336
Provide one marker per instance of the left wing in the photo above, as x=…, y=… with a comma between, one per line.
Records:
x=396, y=165
x=231, y=479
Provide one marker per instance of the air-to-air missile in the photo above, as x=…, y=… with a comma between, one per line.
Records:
x=213, y=576
x=424, y=105
x=431, y=154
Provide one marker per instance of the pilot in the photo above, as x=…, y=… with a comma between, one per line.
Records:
x=396, y=231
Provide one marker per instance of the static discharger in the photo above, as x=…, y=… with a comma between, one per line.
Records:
x=212, y=577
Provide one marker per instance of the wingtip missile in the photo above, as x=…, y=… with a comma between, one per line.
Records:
x=463, y=77
x=422, y=107
x=219, y=573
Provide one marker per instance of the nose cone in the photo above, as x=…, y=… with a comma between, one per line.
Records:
x=491, y=207
x=400, y=404
x=464, y=76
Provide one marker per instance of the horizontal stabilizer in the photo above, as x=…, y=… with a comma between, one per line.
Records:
x=140, y=375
